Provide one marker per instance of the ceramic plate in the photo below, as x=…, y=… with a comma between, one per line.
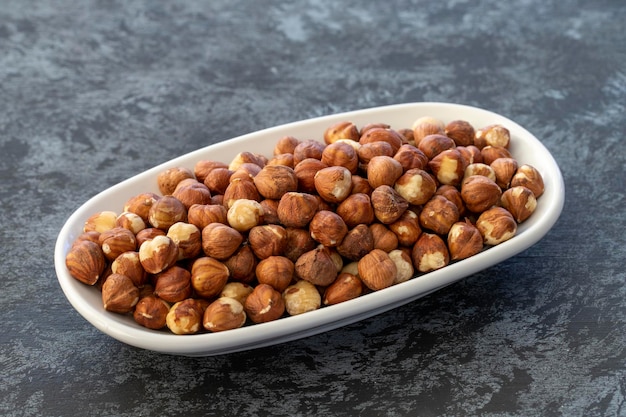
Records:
x=525, y=147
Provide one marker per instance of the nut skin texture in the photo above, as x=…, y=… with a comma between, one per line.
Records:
x=240, y=189
x=479, y=193
x=341, y=130
x=464, y=240
x=158, y=254
x=264, y=304
x=301, y=298
x=308, y=148
x=296, y=209
x=529, y=177
x=383, y=170
x=201, y=215
x=202, y=168
x=220, y=241
x=116, y=241
x=416, y=186
x=188, y=238
x=273, y=181
x=341, y=154
x=305, y=172
x=356, y=209
x=317, y=266
x=224, y=314
x=370, y=150
x=433, y=145
x=277, y=271
x=430, y=253
x=241, y=265
x=407, y=228
x=357, y=243
x=520, y=202
x=185, y=317
x=286, y=144
x=217, y=180
x=151, y=312
x=130, y=221
x=360, y=185
x=166, y=211
x=388, y=204
x=140, y=204
x=453, y=194
x=461, y=132
x=208, y=276
x=449, y=167
x=478, y=168
x=168, y=180
x=85, y=262
x=503, y=171
x=246, y=157
x=376, y=134
x=384, y=238
x=346, y=287
x=148, y=233
x=333, y=183
x=128, y=264
x=244, y=214
x=173, y=284
x=496, y=225
x=470, y=153
x=298, y=241
x=328, y=228
x=377, y=270
x=267, y=240
x=491, y=153
x=119, y=294
x=426, y=125
x=438, y=215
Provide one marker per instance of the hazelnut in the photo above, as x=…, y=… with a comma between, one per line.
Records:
x=267, y=240
x=407, y=134
x=173, y=284
x=461, y=132
x=246, y=157
x=158, y=254
x=496, y=225
x=298, y=241
x=130, y=221
x=384, y=238
x=296, y=209
x=529, y=177
x=285, y=159
x=185, y=317
x=369, y=150
x=224, y=314
x=148, y=233
x=341, y=130
x=217, y=180
x=166, y=211
x=346, y=287
x=520, y=202
x=404, y=265
x=480, y=193
x=140, y=204
x=275, y=180
x=426, y=125
x=453, y=194
x=377, y=270
x=430, y=253
x=464, y=240
x=407, y=228
x=308, y=148
x=301, y=297
x=357, y=242
x=241, y=265
x=117, y=241
x=388, y=204
x=438, y=215
x=383, y=170
x=151, y=312
x=201, y=215
x=360, y=185
x=85, y=261
x=264, y=304
x=492, y=135
x=239, y=189
x=376, y=134
x=333, y=184
x=128, y=264
x=220, y=241
x=237, y=290
x=356, y=209
x=244, y=214
x=188, y=238
x=119, y=294
x=503, y=171
x=478, y=168
x=208, y=276
x=286, y=144
x=277, y=271
x=317, y=266
x=448, y=166
x=270, y=211
x=91, y=236
x=470, y=153
x=100, y=222
x=341, y=153
x=190, y=192
x=327, y=228
x=168, y=180
x=416, y=186
x=433, y=145
x=202, y=168
x=305, y=172
x=410, y=157
x=491, y=153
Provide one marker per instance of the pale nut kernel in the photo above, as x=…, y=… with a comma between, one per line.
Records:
x=426, y=125
x=407, y=228
x=357, y=243
x=130, y=221
x=341, y=153
x=305, y=172
x=404, y=265
x=317, y=266
x=492, y=135
x=341, y=130
x=333, y=184
x=140, y=204
x=119, y=294
x=166, y=211
x=377, y=270
x=185, y=317
x=220, y=241
x=496, y=225
x=416, y=186
x=246, y=157
x=411, y=157
x=529, y=177
x=237, y=290
x=85, y=261
x=151, y=312
x=383, y=170
x=208, y=276
x=438, y=215
x=201, y=215
x=350, y=268
x=448, y=166
x=504, y=169
x=158, y=254
x=188, y=238
x=430, y=253
x=384, y=238
x=464, y=240
x=244, y=214
x=356, y=209
x=101, y=221
x=173, y=284
x=301, y=298
x=273, y=181
x=461, y=132
x=296, y=209
x=277, y=271
x=433, y=145
x=267, y=239
x=128, y=264
x=264, y=304
x=478, y=168
x=520, y=202
x=327, y=228
x=388, y=204
x=480, y=193
x=168, y=179
x=224, y=314
x=346, y=287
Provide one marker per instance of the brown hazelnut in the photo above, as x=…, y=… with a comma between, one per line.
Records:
x=151, y=312
x=341, y=130
x=246, y=157
x=470, y=153
x=224, y=314
x=317, y=266
x=480, y=193
x=168, y=179
x=220, y=241
x=461, y=132
x=277, y=271
x=116, y=241
x=369, y=150
x=388, y=204
x=448, y=166
x=190, y=192
x=520, y=202
x=130, y=221
x=426, y=125
x=496, y=225
x=438, y=215
x=208, y=276
x=119, y=294
x=188, y=238
x=360, y=185
x=275, y=180
x=301, y=297
x=285, y=159
x=478, y=168
x=296, y=209
x=298, y=242
x=408, y=135
x=377, y=270
x=430, y=253
x=407, y=228
x=356, y=209
x=411, y=157
x=244, y=214
x=491, y=153
x=245, y=171
x=453, y=194
x=308, y=148
x=241, y=265
x=341, y=153
x=327, y=228
x=433, y=145
x=503, y=171
x=85, y=261
x=346, y=287
x=464, y=240
x=173, y=284
x=148, y=233
x=285, y=144
x=384, y=238
x=492, y=135
x=382, y=134
x=264, y=304
x=140, y=205
x=158, y=254
x=185, y=317
x=240, y=189
x=202, y=168
x=267, y=240
x=383, y=170
x=270, y=211
x=357, y=242
x=333, y=183
x=416, y=186
x=201, y=215
x=305, y=172
x=101, y=221
x=529, y=177
x=128, y=264
x=217, y=180
x=166, y=211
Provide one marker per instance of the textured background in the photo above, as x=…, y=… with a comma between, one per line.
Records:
x=93, y=92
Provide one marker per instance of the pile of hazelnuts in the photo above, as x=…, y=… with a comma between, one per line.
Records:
x=319, y=222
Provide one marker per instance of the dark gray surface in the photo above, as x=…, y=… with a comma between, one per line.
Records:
x=93, y=92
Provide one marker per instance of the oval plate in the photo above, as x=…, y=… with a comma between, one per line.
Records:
x=525, y=147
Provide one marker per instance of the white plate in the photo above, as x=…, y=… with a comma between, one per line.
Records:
x=525, y=147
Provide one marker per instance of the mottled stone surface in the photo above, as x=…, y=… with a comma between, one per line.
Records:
x=93, y=92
